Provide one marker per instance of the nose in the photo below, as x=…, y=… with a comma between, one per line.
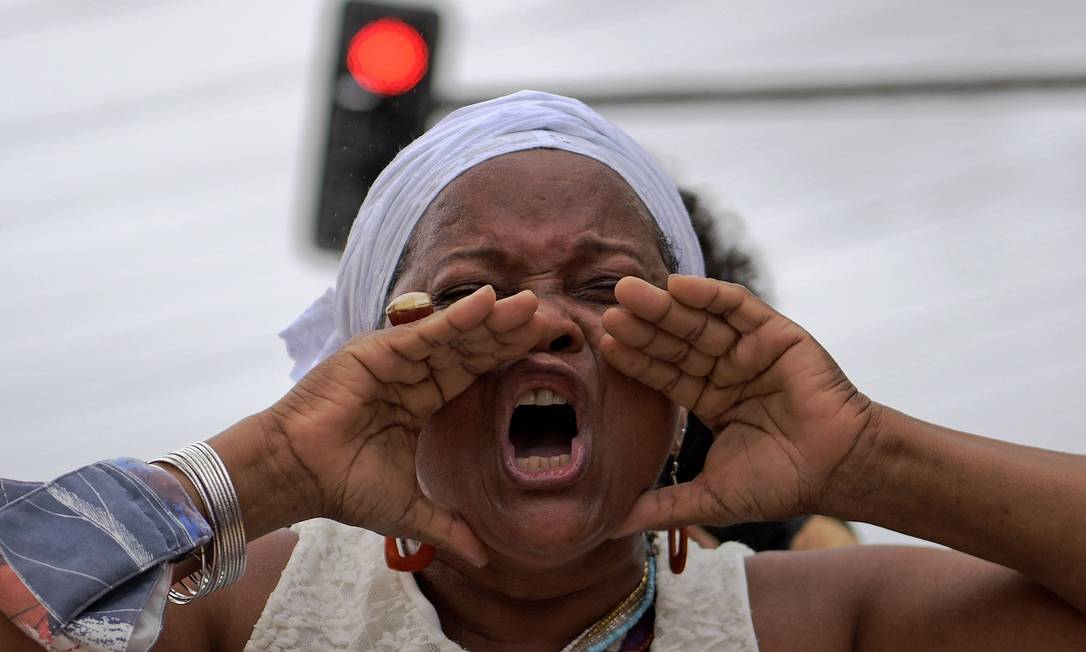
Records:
x=563, y=335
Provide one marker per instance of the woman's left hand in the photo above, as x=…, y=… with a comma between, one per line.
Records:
x=785, y=417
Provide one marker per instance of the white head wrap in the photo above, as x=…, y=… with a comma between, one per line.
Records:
x=462, y=140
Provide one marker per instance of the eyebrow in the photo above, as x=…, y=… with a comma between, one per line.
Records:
x=591, y=245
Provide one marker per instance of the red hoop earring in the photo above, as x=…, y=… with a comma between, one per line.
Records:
x=412, y=563
x=676, y=559
x=676, y=537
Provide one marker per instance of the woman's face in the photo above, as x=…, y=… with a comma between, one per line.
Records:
x=542, y=483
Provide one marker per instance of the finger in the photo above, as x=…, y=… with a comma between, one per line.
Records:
x=639, y=334
x=521, y=339
x=507, y=346
x=450, y=342
x=511, y=312
x=456, y=366
x=463, y=315
x=444, y=349
x=417, y=341
x=755, y=356
x=512, y=323
x=479, y=350
x=389, y=359
x=440, y=527
x=664, y=377
x=688, y=503
x=418, y=399
x=708, y=333
x=732, y=301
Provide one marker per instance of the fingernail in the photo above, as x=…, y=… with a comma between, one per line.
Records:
x=409, y=307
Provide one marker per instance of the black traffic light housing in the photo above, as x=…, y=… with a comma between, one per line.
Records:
x=372, y=116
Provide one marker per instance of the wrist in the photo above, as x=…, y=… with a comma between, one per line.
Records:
x=274, y=490
x=186, y=484
x=862, y=473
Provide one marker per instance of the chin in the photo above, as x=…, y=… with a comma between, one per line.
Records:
x=546, y=531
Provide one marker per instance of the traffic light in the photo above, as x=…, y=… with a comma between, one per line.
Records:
x=380, y=102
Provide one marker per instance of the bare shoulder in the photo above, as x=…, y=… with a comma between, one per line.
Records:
x=902, y=598
x=225, y=620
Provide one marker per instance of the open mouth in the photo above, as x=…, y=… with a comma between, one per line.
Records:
x=543, y=433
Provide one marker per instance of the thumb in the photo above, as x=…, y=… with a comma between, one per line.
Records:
x=677, y=505
x=437, y=525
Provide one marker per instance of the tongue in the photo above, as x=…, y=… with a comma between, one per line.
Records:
x=544, y=444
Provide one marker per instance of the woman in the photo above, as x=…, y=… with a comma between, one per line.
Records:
x=521, y=427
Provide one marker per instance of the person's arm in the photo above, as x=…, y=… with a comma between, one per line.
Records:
x=892, y=598
x=1022, y=507
x=82, y=555
x=222, y=621
x=793, y=435
x=85, y=558
x=340, y=445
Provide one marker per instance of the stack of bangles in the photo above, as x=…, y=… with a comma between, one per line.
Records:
x=205, y=470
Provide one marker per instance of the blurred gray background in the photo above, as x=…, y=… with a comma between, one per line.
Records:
x=156, y=156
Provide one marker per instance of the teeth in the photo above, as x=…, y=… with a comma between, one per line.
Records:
x=539, y=463
x=541, y=397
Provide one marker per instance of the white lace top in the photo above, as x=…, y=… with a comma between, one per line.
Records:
x=337, y=594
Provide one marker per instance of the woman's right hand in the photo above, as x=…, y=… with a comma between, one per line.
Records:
x=353, y=422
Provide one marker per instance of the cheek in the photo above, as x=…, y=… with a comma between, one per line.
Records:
x=641, y=425
x=452, y=443
x=640, y=422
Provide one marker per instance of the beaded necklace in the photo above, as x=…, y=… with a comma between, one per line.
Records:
x=618, y=622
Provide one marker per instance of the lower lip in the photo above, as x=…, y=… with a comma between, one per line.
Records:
x=548, y=478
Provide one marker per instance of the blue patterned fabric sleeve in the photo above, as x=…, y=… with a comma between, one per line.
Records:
x=85, y=560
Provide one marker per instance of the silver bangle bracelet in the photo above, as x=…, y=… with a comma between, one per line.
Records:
x=205, y=470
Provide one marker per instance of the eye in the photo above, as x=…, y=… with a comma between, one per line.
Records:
x=600, y=290
x=447, y=297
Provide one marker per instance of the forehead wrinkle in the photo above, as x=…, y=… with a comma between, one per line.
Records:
x=588, y=245
x=593, y=244
x=488, y=253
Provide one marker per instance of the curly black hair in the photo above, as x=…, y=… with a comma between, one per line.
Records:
x=726, y=258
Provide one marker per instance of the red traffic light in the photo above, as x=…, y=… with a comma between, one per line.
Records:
x=387, y=57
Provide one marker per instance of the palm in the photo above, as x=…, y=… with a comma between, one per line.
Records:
x=353, y=422
x=783, y=413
